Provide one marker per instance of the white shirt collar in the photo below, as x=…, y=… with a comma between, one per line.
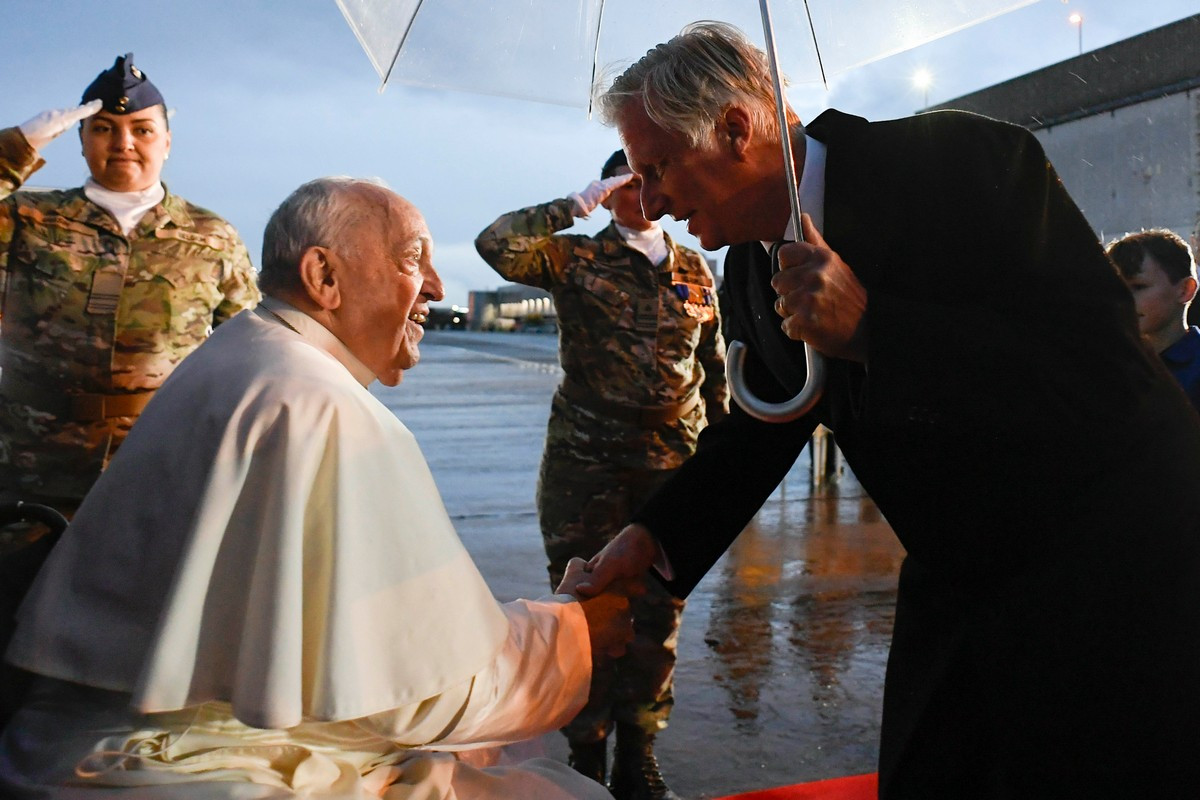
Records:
x=316, y=334
x=127, y=208
x=650, y=242
x=655, y=231
x=811, y=189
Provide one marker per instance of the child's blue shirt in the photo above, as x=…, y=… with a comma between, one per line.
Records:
x=1183, y=359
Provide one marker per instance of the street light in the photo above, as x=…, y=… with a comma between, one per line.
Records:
x=922, y=79
x=1076, y=19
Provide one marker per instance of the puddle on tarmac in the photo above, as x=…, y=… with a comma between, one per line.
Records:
x=784, y=644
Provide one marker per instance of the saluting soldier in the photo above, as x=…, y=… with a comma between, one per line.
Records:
x=105, y=287
x=644, y=362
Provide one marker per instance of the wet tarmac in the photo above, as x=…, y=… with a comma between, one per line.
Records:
x=783, y=644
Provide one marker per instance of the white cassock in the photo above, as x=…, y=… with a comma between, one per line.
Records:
x=263, y=597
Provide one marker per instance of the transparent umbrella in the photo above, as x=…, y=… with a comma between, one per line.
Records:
x=559, y=51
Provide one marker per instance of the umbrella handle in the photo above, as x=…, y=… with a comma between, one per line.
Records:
x=786, y=411
x=735, y=356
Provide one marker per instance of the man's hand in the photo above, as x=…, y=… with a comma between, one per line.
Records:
x=597, y=192
x=609, y=619
x=43, y=128
x=577, y=571
x=626, y=557
x=610, y=623
x=820, y=299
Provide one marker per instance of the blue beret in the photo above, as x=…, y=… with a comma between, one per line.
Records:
x=124, y=88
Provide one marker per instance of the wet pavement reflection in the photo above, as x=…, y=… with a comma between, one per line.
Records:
x=784, y=642
x=796, y=620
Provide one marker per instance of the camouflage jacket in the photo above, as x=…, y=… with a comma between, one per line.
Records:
x=90, y=311
x=630, y=333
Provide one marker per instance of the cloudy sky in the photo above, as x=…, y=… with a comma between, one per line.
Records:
x=267, y=95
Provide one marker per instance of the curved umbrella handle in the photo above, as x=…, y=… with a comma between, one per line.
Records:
x=735, y=356
x=786, y=411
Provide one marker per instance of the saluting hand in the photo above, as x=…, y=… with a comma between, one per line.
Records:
x=46, y=126
x=820, y=298
x=597, y=192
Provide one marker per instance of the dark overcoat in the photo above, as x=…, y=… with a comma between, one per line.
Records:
x=1037, y=462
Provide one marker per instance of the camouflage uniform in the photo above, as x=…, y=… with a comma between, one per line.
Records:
x=94, y=320
x=643, y=358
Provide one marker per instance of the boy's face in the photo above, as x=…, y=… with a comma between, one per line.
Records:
x=1160, y=303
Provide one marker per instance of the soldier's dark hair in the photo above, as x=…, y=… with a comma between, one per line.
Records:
x=314, y=215
x=1167, y=248
x=615, y=162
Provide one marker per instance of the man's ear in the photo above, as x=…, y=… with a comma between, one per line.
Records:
x=1187, y=290
x=319, y=277
x=735, y=131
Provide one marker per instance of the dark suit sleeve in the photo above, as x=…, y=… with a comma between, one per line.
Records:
x=712, y=497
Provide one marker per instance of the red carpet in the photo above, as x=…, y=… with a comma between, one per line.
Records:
x=855, y=787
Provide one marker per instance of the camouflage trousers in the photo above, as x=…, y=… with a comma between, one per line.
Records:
x=582, y=506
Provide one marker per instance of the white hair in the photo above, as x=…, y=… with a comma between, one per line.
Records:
x=317, y=214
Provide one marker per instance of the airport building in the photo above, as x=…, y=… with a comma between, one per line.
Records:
x=1121, y=125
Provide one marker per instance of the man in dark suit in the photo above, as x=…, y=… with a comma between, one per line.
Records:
x=988, y=386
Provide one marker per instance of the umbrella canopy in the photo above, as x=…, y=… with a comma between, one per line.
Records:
x=555, y=50
x=559, y=51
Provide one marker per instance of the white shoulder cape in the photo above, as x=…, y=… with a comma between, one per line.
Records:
x=268, y=535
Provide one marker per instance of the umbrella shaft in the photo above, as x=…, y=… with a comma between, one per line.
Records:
x=785, y=137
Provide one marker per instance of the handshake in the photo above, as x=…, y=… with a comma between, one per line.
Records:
x=608, y=614
x=604, y=585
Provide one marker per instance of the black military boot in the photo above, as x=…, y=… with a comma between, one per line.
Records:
x=635, y=774
x=589, y=759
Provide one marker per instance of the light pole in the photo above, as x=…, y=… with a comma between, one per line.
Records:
x=922, y=79
x=1076, y=19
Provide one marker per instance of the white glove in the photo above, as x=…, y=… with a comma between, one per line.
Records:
x=43, y=128
x=595, y=193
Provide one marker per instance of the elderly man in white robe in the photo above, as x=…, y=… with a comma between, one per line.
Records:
x=264, y=597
